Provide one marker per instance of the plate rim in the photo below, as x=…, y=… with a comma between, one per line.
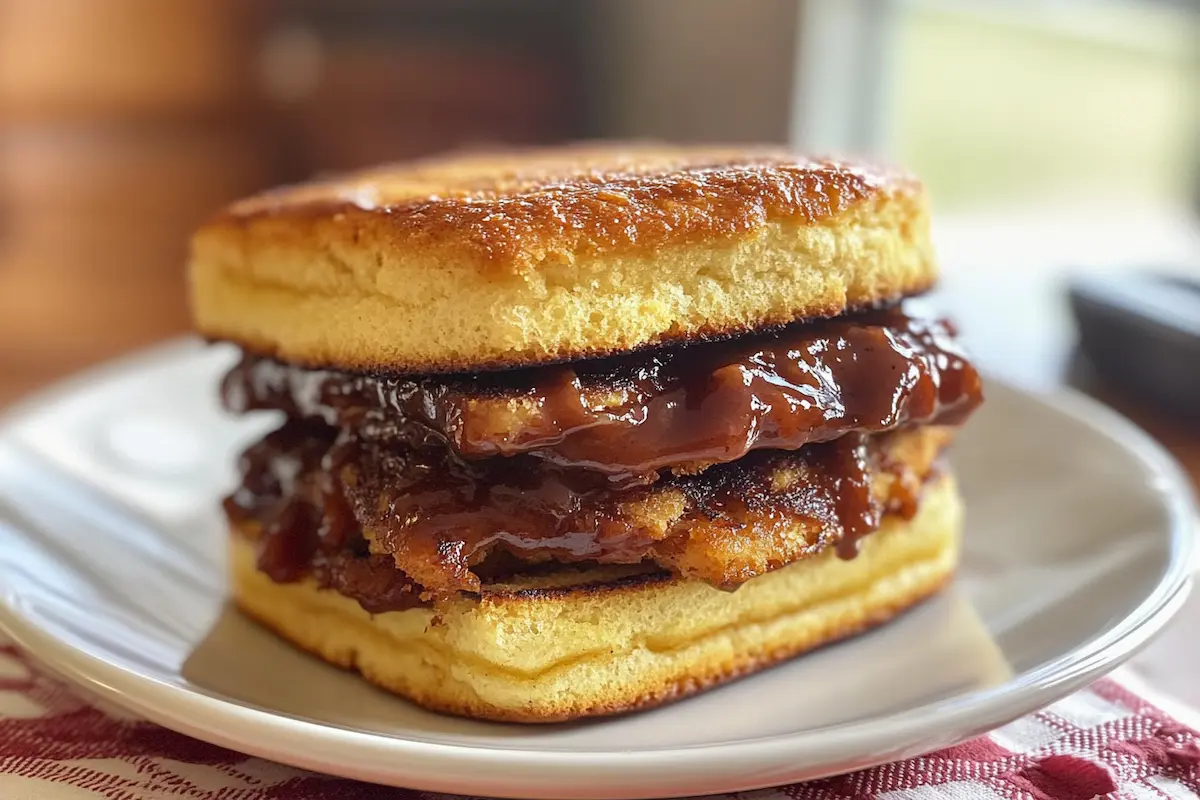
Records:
x=253, y=730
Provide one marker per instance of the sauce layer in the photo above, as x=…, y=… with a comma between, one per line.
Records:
x=631, y=417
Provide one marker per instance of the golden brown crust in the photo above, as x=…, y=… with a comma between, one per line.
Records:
x=497, y=260
x=518, y=211
x=627, y=641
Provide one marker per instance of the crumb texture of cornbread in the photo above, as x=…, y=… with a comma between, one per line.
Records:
x=484, y=261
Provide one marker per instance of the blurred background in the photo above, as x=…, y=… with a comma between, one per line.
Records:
x=1055, y=135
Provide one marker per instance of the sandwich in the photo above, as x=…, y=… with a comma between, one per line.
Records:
x=578, y=431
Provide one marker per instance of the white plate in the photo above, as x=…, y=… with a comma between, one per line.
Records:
x=1077, y=552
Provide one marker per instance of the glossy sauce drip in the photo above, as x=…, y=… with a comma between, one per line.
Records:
x=858, y=513
x=631, y=417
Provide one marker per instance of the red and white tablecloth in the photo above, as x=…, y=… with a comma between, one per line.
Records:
x=1104, y=741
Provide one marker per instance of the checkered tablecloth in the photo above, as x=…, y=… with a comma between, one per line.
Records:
x=1104, y=741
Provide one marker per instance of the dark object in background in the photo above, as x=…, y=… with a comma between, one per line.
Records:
x=1141, y=334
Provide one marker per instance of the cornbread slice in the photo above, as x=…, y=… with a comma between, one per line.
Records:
x=612, y=639
x=474, y=262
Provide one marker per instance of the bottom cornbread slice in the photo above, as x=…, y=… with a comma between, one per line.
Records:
x=584, y=642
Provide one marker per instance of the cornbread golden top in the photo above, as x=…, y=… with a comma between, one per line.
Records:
x=518, y=211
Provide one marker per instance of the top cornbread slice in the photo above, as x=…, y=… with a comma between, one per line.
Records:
x=486, y=261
